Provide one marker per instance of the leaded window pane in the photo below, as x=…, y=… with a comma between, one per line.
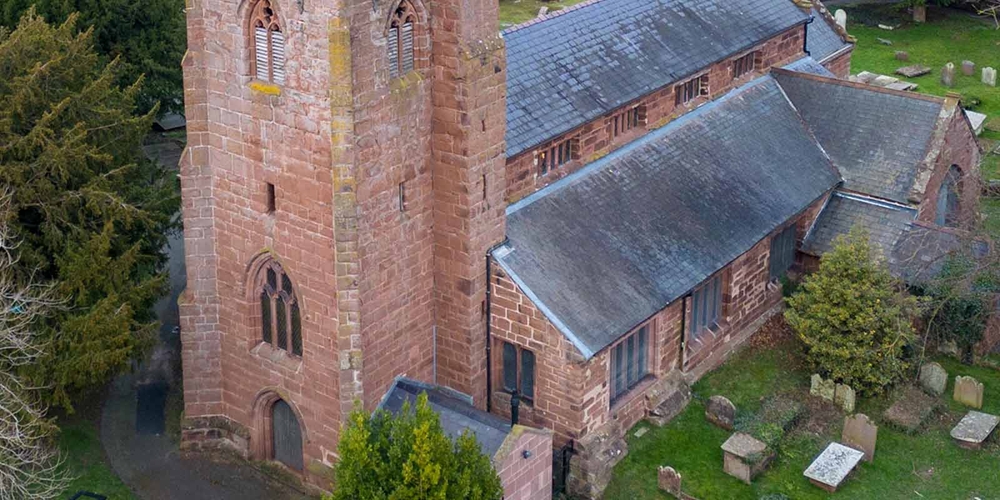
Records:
x=265, y=317
x=281, y=322
x=528, y=374
x=286, y=284
x=272, y=279
x=509, y=367
x=619, y=370
x=643, y=350
x=630, y=367
x=296, y=330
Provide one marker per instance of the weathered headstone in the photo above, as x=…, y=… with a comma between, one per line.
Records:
x=669, y=480
x=542, y=11
x=948, y=75
x=920, y=13
x=990, y=76
x=844, y=397
x=974, y=429
x=968, y=68
x=911, y=409
x=884, y=41
x=902, y=55
x=969, y=392
x=860, y=433
x=913, y=71
x=933, y=378
x=745, y=456
x=721, y=412
x=822, y=388
x=832, y=466
x=841, y=17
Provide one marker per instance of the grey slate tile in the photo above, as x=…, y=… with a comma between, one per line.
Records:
x=876, y=139
x=575, y=66
x=885, y=222
x=605, y=248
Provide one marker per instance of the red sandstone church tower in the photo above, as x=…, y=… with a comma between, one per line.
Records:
x=342, y=184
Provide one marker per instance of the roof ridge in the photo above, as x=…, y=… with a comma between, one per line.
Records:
x=547, y=16
x=858, y=85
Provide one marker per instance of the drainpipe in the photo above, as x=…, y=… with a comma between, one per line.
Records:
x=805, y=36
x=489, y=339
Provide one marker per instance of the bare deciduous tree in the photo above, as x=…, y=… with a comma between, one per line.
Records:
x=30, y=464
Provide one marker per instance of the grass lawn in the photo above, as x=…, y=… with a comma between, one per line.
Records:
x=927, y=465
x=518, y=11
x=81, y=446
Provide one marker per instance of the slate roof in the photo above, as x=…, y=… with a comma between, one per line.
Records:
x=607, y=247
x=884, y=221
x=809, y=65
x=822, y=39
x=921, y=251
x=579, y=63
x=876, y=138
x=455, y=409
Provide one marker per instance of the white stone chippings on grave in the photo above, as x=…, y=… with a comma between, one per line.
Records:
x=975, y=427
x=833, y=465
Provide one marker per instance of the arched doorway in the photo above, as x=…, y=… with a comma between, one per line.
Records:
x=286, y=435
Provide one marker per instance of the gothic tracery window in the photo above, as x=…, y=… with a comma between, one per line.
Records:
x=267, y=47
x=281, y=322
x=400, y=39
x=948, y=209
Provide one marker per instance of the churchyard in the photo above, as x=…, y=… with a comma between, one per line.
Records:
x=948, y=36
x=924, y=463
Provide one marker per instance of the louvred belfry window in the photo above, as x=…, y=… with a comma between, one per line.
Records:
x=281, y=321
x=268, y=44
x=399, y=40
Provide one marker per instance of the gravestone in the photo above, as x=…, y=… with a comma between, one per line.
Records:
x=543, y=11
x=990, y=76
x=933, y=378
x=948, y=75
x=841, y=17
x=669, y=480
x=822, y=388
x=968, y=68
x=844, y=397
x=745, y=456
x=911, y=409
x=974, y=429
x=860, y=433
x=969, y=392
x=913, y=71
x=721, y=412
x=902, y=55
x=832, y=466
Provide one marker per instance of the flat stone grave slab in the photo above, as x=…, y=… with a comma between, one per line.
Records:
x=911, y=409
x=833, y=465
x=913, y=71
x=745, y=456
x=974, y=429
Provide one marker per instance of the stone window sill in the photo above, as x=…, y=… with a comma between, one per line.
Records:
x=281, y=357
x=638, y=391
x=707, y=337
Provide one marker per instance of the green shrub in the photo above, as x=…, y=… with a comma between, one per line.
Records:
x=854, y=317
x=409, y=457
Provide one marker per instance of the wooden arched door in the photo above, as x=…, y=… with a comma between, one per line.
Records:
x=286, y=435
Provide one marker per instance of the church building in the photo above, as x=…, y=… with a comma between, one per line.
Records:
x=584, y=213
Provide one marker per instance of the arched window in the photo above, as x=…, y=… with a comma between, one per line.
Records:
x=267, y=50
x=948, y=198
x=400, y=39
x=280, y=319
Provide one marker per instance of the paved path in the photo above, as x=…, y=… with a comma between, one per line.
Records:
x=132, y=422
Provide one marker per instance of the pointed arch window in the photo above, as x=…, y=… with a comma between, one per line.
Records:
x=399, y=40
x=948, y=209
x=281, y=321
x=267, y=44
